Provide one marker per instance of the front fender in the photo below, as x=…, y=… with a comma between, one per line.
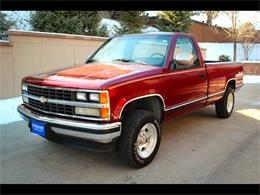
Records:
x=136, y=95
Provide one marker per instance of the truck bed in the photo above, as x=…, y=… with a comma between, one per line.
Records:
x=219, y=73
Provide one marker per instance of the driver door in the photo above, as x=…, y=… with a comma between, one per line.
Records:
x=188, y=80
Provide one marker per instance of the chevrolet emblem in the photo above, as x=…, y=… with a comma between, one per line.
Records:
x=43, y=99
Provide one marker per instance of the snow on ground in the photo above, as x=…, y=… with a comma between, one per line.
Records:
x=8, y=112
x=256, y=104
x=251, y=79
x=214, y=50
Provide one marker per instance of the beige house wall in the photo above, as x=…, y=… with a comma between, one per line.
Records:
x=6, y=70
x=27, y=53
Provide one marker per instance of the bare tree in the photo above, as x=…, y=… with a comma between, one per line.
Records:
x=232, y=33
x=211, y=15
x=237, y=32
x=248, y=36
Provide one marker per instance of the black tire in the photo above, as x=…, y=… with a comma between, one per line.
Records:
x=127, y=146
x=221, y=105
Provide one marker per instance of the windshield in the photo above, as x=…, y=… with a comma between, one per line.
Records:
x=140, y=49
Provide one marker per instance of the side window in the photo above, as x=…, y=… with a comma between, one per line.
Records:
x=150, y=52
x=185, y=54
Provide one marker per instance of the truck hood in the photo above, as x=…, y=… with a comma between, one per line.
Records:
x=93, y=76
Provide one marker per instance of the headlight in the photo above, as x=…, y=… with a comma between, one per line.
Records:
x=87, y=111
x=81, y=96
x=94, y=97
x=24, y=87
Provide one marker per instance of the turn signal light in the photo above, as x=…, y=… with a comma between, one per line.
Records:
x=103, y=97
x=104, y=112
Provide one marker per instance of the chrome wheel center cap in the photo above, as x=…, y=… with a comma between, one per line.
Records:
x=230, y=102
x=146, y=140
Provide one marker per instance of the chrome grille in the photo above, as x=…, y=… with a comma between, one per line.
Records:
x=50, y=93
x=50, y=107
x=59, y=101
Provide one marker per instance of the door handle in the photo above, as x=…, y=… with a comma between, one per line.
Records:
x=202, y=76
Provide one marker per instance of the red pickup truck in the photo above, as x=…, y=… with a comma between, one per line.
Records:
x=125, y=89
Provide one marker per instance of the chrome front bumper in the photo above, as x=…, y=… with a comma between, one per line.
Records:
x=98, y=132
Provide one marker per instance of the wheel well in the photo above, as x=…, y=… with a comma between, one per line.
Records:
x=153, y=104
x=232, y=83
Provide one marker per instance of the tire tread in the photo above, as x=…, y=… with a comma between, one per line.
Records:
x=220, y=105
x=128, y=134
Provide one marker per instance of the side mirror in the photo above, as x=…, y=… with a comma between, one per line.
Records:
x=87, y=58
x=185, y=59
x=173, y=65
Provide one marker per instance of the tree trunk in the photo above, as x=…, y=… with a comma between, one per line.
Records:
x=235, y=51
x=247, y=54
x=209, y=20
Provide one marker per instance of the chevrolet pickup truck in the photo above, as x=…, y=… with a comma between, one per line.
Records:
x=123, y=92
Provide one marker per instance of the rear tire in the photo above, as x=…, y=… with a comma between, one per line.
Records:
x=140, y=139
x=224, y=106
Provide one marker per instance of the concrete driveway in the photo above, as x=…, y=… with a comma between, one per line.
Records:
x=196, y=148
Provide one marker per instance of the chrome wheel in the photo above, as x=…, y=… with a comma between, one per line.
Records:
x=230, y=102
x=146, y=140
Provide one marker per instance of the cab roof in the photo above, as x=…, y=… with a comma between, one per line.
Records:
x=158, y=33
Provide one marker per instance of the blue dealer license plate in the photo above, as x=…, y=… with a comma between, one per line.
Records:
x=38, y=128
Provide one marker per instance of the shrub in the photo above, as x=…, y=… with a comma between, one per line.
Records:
x=224, y=58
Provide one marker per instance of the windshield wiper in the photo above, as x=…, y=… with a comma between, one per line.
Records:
x=129, y=60
x=91, y=60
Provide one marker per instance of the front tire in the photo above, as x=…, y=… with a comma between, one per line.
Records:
x=140, y=139
x=224, y=106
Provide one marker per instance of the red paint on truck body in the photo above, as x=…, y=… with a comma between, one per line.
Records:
x=126, y=82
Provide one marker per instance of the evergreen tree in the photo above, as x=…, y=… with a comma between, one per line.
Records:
x=130, y=21
x=114, y=14
x=174, y=21
x=5, y=25
x=72, y=22
x=102, y=31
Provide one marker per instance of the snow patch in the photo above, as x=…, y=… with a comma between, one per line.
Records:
x=111, y=25
x=214, y=50
x=249, y=79
x=256, y=104
x=8, y=112
x=150, y=29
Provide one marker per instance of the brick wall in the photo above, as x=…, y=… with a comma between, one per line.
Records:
x=252, y=68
